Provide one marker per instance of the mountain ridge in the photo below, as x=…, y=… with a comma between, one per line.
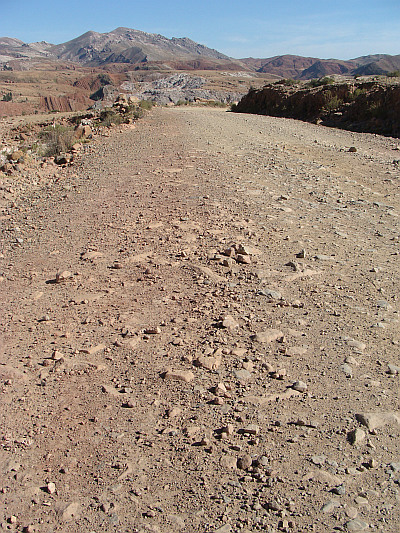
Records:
x=140, y=49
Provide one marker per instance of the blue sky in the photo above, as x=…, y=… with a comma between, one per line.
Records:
x=257, y=28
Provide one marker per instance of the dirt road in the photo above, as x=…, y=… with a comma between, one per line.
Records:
x=201, y=332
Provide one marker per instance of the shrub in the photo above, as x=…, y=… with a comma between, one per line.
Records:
x=288, y=82
x=233, y=107
x=321, y=81
x=109, y=116
x=332, y=102
x=394, y=74
x=146, y=104
x=7, y=97
x=58, y=139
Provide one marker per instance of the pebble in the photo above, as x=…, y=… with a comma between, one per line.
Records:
x=393, y=370
x=208, y=362
x=268, y=335
x=251, y=429
x=340, y=490
x=152, y=331
x=330, y=506
x=179, y=375
x=244, y=462
x=270, y=293
x=229, y=322
x=351, y=512
x=63, y=276
x=242, y=374
x=318, y=459
x=356, y=344
x=227, y=528
x=300, y=386
x=355, y=525
x=347, y=370
x=356, y=436
x=51, y=488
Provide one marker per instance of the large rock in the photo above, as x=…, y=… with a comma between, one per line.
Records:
x=378, y=419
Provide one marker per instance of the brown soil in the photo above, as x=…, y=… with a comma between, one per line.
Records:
x=207, y=261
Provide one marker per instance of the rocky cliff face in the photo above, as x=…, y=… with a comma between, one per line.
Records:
x=366, y=107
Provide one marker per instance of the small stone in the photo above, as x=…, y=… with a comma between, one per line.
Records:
x=243, y=259
x=351, y=512
x=208, y=362
x=229, y=322
x=152, y=331
x=340, y=490
x=179, y=375
x=393, y=370
x=251, y=429
x=270, y=293
x=51, y=488
x=360, y=346
x=318, y=459
x=227, y=528
x=90, y=256
x=94, y=349
x=61, y=277
x=244, y=462
x=268, y=335
x=352, y=149
x=228, y=430
x=300, y=386
x=242, y=374
x=12, y=519
x=353, y=526
x=330, y=506
x=348, y=371
x=356, y=436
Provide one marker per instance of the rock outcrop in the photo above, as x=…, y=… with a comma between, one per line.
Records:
x=365, y=107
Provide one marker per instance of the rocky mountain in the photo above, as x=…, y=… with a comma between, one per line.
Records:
x=125, y=46
x=305, y=68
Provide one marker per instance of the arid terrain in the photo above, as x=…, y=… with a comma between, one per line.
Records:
x=200, y=331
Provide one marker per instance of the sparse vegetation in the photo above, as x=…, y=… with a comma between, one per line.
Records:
x=233, y=107
x=58, y=139
x=332, y=103
x=7, y=97
x=326, y=80
x=146, y=104
x=109, y=116
x=288, y=82
x=394, y=74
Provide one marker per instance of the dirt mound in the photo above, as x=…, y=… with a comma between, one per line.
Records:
x=73, y=102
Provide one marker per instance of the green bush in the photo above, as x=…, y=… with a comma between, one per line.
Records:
x=332, y=102
x=7, y=97
x=288, y=82
x=321, y=82
x=233, y=107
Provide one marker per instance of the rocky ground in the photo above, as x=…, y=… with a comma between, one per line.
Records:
x=200, y=332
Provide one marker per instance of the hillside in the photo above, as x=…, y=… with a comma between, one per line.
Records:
x=366, y=107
